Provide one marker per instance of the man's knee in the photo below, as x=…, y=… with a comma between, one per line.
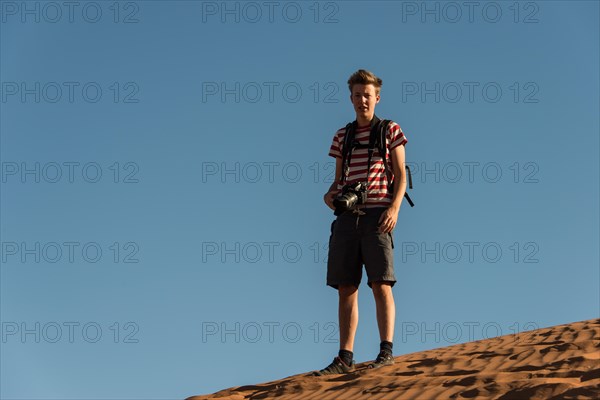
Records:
x=381, y=288
x=347, y=290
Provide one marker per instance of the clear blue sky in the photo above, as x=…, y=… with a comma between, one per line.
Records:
x=163, y=165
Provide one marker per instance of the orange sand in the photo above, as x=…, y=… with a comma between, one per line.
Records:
x=560, y=362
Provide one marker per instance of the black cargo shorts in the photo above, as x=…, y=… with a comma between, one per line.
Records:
x=355, y=241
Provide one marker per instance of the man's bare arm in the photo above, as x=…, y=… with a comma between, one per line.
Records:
x=387, y=221
x=333, y=190
x=398, y=156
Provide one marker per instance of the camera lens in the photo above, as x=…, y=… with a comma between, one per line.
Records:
x=345, y=202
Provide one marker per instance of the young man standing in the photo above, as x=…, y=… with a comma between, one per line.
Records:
x=364, y=235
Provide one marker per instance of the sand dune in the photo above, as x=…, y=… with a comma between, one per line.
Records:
x=560, y=362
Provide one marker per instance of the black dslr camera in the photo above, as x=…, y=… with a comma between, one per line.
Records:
x=350, y=196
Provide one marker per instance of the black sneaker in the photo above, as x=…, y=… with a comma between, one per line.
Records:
x=383, y=358
x=337, y=366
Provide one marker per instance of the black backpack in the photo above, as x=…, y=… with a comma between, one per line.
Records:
x=377, y=141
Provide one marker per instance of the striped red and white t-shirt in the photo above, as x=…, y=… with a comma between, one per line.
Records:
x=377, y=191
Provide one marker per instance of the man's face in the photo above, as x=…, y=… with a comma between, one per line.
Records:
x=364, y=98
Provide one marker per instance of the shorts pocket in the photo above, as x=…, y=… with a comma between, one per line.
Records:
x=391, y=239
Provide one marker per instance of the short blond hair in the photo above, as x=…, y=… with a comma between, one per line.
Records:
x=364, y=77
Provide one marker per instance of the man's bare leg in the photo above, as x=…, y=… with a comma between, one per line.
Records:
x=348, y=315
x=348, y=321
x=386, y=310
x=386, y=315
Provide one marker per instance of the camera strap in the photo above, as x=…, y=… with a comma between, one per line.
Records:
x=377, y=140
x=350, y=143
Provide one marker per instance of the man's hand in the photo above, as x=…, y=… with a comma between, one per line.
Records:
x=329, y=198
x=387, y=221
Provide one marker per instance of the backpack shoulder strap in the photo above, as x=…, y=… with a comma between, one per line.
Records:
x=347, y=148
x=382, y=147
